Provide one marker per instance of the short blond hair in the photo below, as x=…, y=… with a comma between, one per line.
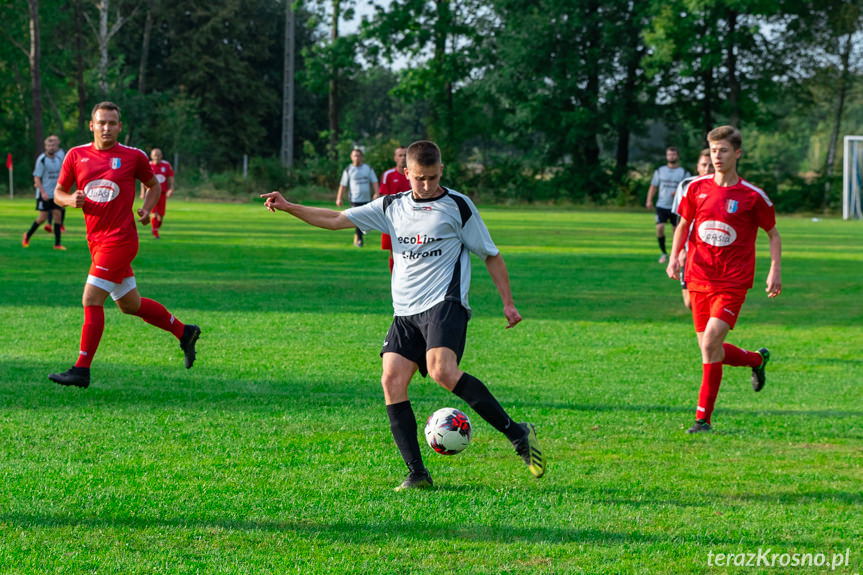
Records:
x=729, y=133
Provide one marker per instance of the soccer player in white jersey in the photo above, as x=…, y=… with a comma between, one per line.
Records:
x=359, y=180
x=433, y=230
x=665, y=180
x=704, y=167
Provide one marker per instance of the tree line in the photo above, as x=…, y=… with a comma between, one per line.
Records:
x=530, y=100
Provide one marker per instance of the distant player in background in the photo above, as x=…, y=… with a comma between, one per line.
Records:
x=665, y=180
x=358, y=180
x=726, y=212
x=165, y=174
x=434, y=230
x=104, y=173
x=704, y=167
x=60, y=153
x=394, y=181
x=45, y=174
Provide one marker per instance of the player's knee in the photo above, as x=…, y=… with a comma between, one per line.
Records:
x=395, y=388
x=129, y=307
x=711, y=348
x=444, y=375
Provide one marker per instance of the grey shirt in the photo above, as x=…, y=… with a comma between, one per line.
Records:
x=431, y=244
x=359, y=180
x=666, y=180
x=48, y=169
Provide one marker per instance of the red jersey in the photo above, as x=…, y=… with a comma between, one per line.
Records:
x=107, y=178
x=394, y=182
x=725, y=220
x=163, y=171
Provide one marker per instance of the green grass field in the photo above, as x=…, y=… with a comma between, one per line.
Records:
x=274, y=455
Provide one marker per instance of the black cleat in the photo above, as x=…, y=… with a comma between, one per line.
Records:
x=416, y=480
x=191, y=333
x=758, y=375
x=528, y=448
x=699, y=426
x=74, y=376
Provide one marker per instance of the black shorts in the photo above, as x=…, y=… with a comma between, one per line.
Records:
x=46, y=205
x=682, y=275
x=443, y=325
x=664, y=215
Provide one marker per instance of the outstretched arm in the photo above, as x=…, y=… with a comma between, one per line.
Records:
x=319, y=217
x=774, y=276
x=500, y=276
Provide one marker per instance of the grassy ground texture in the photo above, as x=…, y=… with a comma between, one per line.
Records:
x=274, y=455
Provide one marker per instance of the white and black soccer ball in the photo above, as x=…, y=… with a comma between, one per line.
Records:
x=448, y=431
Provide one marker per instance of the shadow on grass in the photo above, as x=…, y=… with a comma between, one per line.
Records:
x=389, y=531
x=120, y=384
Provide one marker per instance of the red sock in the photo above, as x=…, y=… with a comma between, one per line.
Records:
x=155, y=313
x=710, y=380
x=735, y=356
x=91, y=334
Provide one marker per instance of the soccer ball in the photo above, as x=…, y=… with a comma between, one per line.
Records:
x=448, y=431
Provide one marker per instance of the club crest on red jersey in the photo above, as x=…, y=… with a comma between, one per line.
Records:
x=115, y=163
x=731, y=206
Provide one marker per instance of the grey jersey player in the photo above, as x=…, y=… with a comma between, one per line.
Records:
x=433, y=229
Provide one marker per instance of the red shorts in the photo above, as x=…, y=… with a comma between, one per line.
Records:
x=386, y=242
x=159, y=208
x=721, y=305
x=113, y=262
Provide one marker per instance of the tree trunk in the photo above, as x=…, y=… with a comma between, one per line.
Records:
x=590, y=143
x=104, y=5
x=441, y=109
x=79, y=69
x=630, y=101
x=288, y=90
x=145, y=50
x=36, y=77
x=837, y=119
x=334, y=85
x=733, y=80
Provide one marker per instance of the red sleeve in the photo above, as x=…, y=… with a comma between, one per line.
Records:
x=67, y=172
x=686, y=209
x=765, y=213
x=170, y=170
x=143, y=171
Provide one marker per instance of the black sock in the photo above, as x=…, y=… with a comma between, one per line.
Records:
x=477, y=395
x=403, y=425
x=32, y=230
x=62, y=216
x=661, y=241
x=56, y=234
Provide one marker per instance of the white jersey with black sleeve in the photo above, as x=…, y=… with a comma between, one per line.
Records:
x=431, y=244
x=681, y=190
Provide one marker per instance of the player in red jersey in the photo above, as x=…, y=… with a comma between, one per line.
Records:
x=165, y=174
x=394, y=181
x=726, y=212
x=104, y=173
